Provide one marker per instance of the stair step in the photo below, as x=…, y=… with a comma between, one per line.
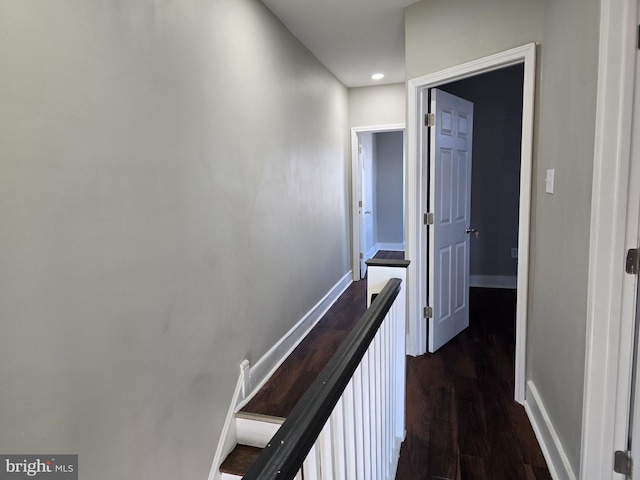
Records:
x=239, y=461
x=256, y=430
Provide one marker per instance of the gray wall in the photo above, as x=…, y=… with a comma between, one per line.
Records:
x=173, y=191
x=378, y=105
x=566, y=126
x=495, y=189
x=568, y=33
x=389, y=178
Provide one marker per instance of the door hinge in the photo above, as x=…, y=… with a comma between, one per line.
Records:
x=428, y=312
x=360, y=149
x=360, y=203
x=429, y=119
x=622, y=463
x=361, y=256
x=632, y=263
x=428, y=218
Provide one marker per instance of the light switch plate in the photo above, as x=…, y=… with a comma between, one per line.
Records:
x=550, y=180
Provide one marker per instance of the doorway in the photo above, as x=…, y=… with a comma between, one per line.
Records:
x=378, y=208
x=417, y=181
x=492, y=193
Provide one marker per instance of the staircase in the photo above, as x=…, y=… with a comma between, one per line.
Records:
x=261, y=418
x=254, y=432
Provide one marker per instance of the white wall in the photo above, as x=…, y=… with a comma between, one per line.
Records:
x=379, y=105
x=173, y=190
x=568, y=56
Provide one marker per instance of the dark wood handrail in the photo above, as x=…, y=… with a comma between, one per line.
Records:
x=282, y=458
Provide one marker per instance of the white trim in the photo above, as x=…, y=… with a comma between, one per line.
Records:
x=550, y=444
x=228, y=436
x=417, y=201
x=493, y=281
x=371, y=252
x=256, y=430
x=270, y=361
x=356, y=184
x=266, y=366
x=611, y=295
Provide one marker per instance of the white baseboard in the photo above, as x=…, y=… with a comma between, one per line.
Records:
x=270, y=361
x=371, y=252
x=265, y=367
x=552, y=448
x=229, y=435
x=493, y=281
x=393, y=247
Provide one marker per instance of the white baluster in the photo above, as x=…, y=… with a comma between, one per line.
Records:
x=311, y=465
x=350, y=427
x=358, y=402
x=337, y=437
x=326, y=452
x=367, y=398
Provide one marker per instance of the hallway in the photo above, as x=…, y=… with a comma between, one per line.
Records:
x=461, y=419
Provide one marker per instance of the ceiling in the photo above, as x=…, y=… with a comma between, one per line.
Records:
x=352, y=38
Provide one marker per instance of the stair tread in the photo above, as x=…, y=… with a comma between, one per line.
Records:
x=240, y=459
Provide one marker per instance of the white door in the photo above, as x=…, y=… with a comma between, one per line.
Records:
x=450, y=203
x=365, y=149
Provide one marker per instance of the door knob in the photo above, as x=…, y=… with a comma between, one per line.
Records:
x=474, y=231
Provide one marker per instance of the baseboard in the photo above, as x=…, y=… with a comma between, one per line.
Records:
x=371, y=252
x=270, y=361
x=393, y=247
x=229, y=435
x=493, y=281
x=552, y=449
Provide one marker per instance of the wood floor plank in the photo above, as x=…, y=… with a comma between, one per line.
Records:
x=471, y=418
x=472, y=468
x=474, y=373
x=442, y=453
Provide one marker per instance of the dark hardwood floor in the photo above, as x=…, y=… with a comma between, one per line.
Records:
x=462, y=422
x=292, y=379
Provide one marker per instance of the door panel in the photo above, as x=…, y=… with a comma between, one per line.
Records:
x=450, y=201
x=365, y=160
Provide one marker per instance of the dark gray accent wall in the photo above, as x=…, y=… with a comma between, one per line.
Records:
x=495, y=190
x=389, y=179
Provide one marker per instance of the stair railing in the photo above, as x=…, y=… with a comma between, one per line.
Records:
x=350, y=423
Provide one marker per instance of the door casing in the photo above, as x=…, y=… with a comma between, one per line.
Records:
x=417, y=198
x=615, y=227
x=356, y=187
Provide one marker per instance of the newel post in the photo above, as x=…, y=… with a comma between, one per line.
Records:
x=379, y=272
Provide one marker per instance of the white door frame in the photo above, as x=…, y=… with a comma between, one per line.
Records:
x=416, y=237
x=356, y=187
x=615, y=211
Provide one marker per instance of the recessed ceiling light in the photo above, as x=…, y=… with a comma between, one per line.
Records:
x=377, y=76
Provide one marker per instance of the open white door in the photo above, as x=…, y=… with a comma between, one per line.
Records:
x=450, y=204
x=365, y=210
